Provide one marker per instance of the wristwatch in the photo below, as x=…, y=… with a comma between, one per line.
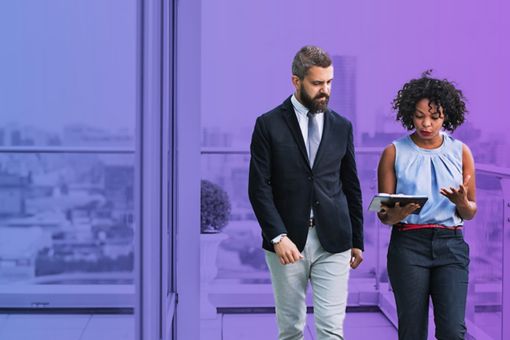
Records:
x=278, y=239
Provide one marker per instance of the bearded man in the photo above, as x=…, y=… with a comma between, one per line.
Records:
x=305, y=192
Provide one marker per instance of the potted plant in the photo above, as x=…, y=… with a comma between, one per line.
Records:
x=214, y=215
x=214, y=208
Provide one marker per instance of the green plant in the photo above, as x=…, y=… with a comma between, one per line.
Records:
x=214, y=207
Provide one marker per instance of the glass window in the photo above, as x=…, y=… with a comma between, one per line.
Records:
x=68, y=104
x=67, y=218
x=68, y=73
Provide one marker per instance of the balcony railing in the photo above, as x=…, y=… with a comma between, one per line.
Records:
x=74, y=206
x=242, y=270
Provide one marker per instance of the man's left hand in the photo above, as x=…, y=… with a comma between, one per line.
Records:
x=356, y=257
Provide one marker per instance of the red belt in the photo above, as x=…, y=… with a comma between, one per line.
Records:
x=405, y=227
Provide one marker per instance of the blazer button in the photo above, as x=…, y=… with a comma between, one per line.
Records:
x=317, y=202
x=310, y=178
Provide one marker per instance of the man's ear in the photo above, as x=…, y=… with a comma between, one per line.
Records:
x=296, y=82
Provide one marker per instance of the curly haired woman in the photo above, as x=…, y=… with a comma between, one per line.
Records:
x=427, y=254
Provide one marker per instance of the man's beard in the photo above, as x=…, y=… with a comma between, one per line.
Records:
x=313, y=104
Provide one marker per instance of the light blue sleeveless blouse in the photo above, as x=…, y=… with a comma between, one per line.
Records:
x=424, y=172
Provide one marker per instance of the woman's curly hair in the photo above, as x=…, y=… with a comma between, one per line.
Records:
x=442, y=93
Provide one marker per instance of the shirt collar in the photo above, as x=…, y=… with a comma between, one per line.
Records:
x=300, y=108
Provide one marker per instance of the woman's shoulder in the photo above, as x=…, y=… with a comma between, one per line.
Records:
x=402, y=143
x=402, y=139
x=389, y=151
x=451, y=138
x=454, y=142
x=388, y=156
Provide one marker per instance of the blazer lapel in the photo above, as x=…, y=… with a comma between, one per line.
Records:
x=325, y=134
x=292, y=122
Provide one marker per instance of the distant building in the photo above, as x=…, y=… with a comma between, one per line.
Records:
x=343, y=92
x=18, y=250
x=379, y=139
x=119, y=185
x=12, y=194
x=215, y=137
x=25, y=135
x=118, y=189
x=82, y=135
x=16, y=139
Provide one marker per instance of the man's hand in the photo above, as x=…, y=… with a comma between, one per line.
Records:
x=287, y=251
x=356, y=257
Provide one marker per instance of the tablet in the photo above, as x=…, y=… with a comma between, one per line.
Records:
x=391, y=199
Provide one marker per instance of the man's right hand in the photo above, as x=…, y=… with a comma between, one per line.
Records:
x=287, y=251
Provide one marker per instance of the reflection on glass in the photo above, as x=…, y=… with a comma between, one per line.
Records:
x=66, y=218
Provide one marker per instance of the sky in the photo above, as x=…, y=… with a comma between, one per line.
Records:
x=247, y=50
x=74, y=63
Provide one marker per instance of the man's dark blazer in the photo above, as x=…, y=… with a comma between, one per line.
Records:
x=283, y=187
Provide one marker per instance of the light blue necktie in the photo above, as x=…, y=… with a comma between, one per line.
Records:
x=314, y=138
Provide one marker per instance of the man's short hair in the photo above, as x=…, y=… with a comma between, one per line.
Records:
x=307, y=57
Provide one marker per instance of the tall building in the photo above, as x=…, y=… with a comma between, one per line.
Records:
x=215, y=137
x=16, y=138
x=12, y=191
x=343, y=92
x=118, y=185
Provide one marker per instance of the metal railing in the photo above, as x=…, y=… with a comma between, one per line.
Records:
x=37, y=288
x=64, y=149
x=500, y=173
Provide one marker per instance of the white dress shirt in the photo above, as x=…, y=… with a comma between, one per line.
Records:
x=301, y=114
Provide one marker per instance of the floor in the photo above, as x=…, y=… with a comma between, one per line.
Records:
x=66, y=327
x=358, y=326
